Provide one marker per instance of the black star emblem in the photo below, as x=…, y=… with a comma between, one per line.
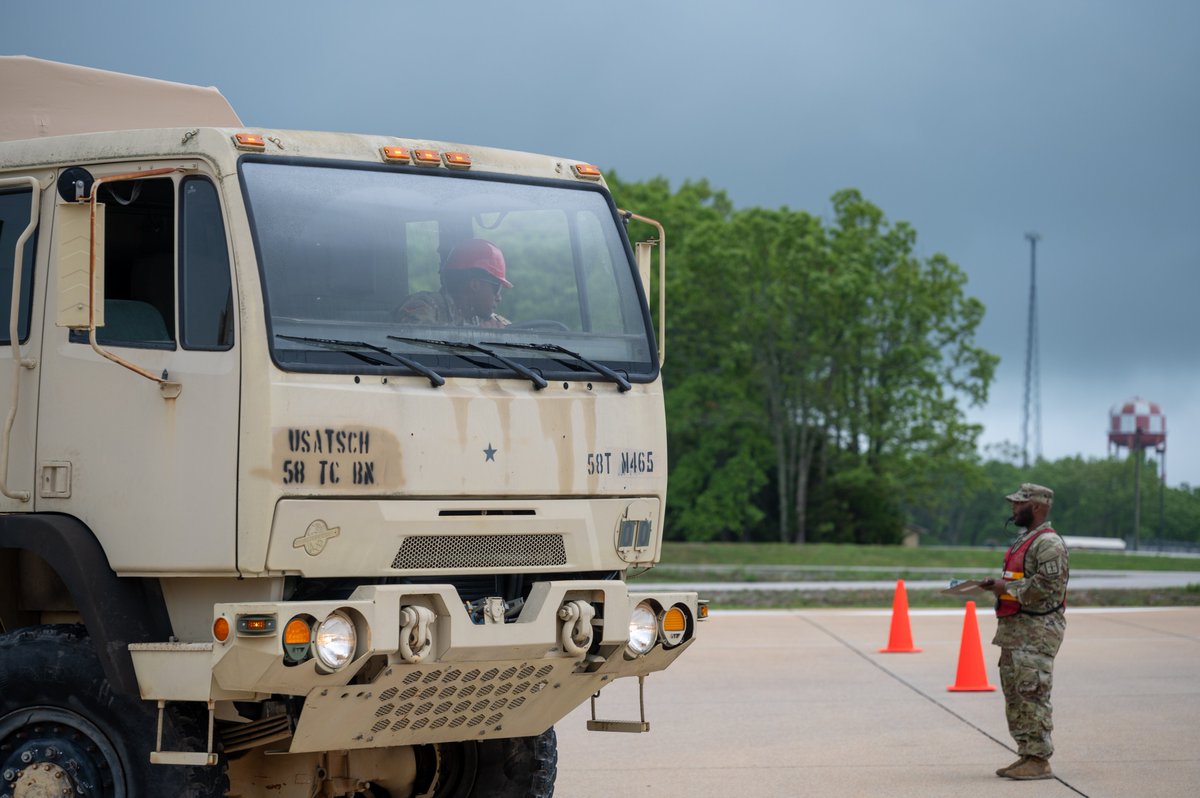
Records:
x=489, y=453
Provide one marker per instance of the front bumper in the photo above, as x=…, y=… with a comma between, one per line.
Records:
x=475, y=681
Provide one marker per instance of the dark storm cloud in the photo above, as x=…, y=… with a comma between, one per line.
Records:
x=973, y=121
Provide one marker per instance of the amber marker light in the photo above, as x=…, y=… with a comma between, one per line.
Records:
x=427, y=157
x=396, y=154
x=249, y=141
x=221, y=629
x=457, y=160
x=586, y=171
x=256, y=625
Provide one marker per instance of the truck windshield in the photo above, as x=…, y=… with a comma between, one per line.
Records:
x=420, y=263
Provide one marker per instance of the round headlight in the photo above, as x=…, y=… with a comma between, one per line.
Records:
x=335, y=641
x=643, y=628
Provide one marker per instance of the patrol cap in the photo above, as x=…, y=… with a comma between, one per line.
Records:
x=1029, y=492
x=484, y=256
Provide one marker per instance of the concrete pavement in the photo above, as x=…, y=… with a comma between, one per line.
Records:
x=800, y=703
x=1080, y=580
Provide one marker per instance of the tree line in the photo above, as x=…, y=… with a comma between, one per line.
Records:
x=817, y=380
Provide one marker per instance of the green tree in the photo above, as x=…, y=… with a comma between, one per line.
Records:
x=904, y=363
x=1093, y=497
x=819, y=368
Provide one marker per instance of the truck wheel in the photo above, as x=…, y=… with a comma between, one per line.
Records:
x=521, y=767
x=63, y=726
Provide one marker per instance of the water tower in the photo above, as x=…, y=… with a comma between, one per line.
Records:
x=1138, y=425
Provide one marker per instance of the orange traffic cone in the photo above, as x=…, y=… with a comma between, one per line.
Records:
x=972, y=676
x=900, y=637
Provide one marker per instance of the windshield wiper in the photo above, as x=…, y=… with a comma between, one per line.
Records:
x=348, y=347
x=622, y=383
x=539, y=382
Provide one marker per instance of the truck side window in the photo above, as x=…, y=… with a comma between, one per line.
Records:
x=205, y=289
x=14, y=216
x=139, y=264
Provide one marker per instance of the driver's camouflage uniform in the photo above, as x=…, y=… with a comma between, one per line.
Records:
x=438, y=307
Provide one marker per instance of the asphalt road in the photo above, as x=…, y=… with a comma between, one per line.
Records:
x=801, y=703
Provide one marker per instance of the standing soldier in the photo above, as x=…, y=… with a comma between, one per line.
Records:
x=1030, y=603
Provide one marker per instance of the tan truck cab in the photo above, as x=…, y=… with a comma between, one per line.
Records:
x=325, y=456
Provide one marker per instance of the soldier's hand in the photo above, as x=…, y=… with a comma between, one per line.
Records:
x=994, y=585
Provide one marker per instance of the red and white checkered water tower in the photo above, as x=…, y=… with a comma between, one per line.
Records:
x=1138, y=425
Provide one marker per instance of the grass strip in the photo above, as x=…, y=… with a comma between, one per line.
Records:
x=851, y=556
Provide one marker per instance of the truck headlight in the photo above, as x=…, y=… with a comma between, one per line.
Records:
x=643, y=628
x=335, y=641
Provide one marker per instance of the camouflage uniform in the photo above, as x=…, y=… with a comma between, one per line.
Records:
x=1029, y=642
x=438, y=307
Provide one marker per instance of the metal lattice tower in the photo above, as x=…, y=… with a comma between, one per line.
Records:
x=1033, y=389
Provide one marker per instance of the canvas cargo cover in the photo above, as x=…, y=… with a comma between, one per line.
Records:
x=47, y=98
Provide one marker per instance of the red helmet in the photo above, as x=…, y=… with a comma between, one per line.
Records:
x=475, y=253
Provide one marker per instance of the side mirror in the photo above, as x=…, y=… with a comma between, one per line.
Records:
x=642, y=252
x=76, y=250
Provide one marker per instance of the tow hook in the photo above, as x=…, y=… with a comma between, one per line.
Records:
x=576, y=634
x=415, y=640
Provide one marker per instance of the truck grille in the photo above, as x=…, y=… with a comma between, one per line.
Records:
x=480, y=551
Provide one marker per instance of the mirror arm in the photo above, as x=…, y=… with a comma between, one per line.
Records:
x=169, y=389
x=662, y=280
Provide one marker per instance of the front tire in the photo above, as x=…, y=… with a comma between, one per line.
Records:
x=520, y=767
x=62, y=724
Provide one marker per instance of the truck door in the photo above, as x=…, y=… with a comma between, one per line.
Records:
x=20, y=201
x=155, y=478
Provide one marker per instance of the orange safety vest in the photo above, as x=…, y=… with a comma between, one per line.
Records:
x=1014, y=568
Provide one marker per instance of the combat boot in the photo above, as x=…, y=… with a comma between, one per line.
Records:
x=1034, y=767
x=1004, y=770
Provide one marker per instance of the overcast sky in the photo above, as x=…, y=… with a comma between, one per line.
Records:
x=974, y=121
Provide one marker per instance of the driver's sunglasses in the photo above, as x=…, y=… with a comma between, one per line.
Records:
x=495, y=285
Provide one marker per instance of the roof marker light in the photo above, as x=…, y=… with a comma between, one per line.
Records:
x=427, y=157
x=457, y=160
x=586, y=171
x=249, y=141
x=396, y=154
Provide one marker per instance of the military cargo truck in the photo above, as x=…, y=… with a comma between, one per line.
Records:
x=325, y=457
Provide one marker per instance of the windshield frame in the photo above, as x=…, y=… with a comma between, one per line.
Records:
x=546, y=364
